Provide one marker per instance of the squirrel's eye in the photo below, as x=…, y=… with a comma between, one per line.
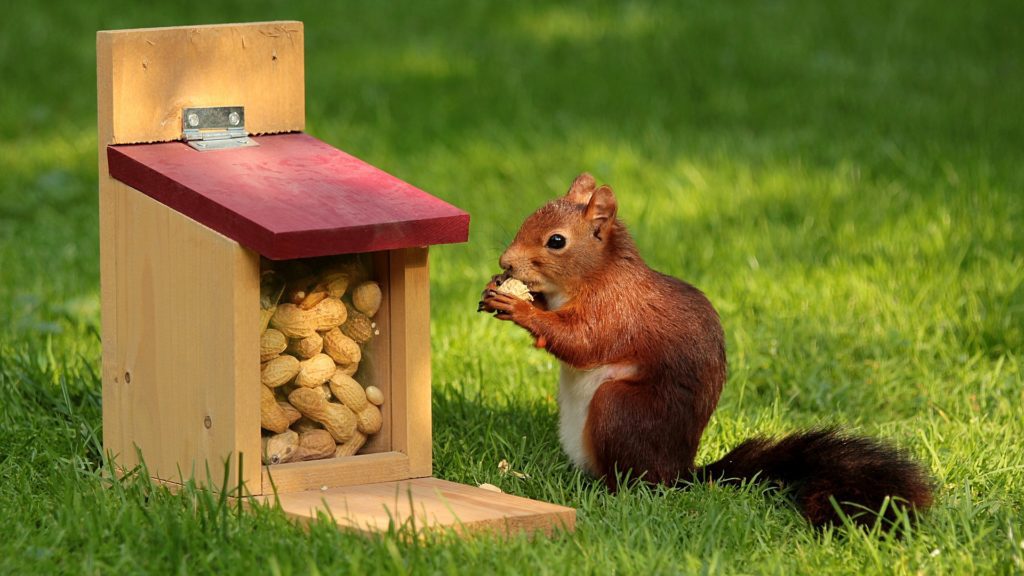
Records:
x=556, y=242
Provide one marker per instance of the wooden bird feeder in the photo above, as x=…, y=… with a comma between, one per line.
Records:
x=206, y=241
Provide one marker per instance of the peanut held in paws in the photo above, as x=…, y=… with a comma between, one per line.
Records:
x=514, y=287
x=504, y=284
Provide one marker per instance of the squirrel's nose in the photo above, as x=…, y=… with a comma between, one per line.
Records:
x=505, y=262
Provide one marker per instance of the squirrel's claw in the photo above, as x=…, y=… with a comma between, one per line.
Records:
x=504, y=305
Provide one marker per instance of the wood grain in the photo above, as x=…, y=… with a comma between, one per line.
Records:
x=334, y=472
x=185, y=345
x=411, y=431
x=292, y=196
x=180, y=282
x=179, y=335
x=427, y=503
x=154, y=73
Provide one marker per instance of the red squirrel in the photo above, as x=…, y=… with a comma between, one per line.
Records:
x=643, y=363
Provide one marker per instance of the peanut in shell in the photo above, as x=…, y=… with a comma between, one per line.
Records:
x=315, y=371
x=293, y=322
x=307, y=347
x=272, y=343
x=279, y=370
x=366, y=297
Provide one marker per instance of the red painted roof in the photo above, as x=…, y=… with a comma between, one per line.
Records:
x=292, y=196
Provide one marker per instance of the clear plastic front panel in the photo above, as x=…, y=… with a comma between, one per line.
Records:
x=322, y=357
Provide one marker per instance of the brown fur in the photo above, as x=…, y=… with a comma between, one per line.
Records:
x=607, y=307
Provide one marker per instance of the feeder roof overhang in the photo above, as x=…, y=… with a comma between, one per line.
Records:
x=292, y=196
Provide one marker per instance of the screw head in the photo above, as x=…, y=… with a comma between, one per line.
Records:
x=234, y=118
x=193, y=119
x=208, y=422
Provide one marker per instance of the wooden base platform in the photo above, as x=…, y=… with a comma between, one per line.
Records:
x=427, y=503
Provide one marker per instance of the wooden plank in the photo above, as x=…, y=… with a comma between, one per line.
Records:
x=410, y=359
x=427, y=503
x=292, y=196
x=154, y=73
x=334, y=472
x=173, y=292
x=176, y=376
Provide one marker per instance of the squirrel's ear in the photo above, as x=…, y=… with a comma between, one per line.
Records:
x=582, y=188
x=601, y=211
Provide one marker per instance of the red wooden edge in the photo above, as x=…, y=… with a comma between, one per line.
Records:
x=292, y=196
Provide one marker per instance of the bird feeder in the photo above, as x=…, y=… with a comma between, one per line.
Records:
x=222, y=222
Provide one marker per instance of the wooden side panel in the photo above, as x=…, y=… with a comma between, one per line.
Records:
x=185, y=326
x=410, y=359
x=180, y=338
x=154, y=73
x=428, y=503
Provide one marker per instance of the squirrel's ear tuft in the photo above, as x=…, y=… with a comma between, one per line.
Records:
x=582, y=189
x=601, y=211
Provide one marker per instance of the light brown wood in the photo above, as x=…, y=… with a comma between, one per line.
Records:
x=427, y=503
x=177, y=299
x=180, y=309
x=184, y=345
x=334, y=472
x=151, y=74
x=410, y=359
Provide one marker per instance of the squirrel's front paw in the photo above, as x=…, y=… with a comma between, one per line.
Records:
x=491, y=288
x=506, y=306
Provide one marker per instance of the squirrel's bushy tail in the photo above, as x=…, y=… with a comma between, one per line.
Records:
x=859, y=473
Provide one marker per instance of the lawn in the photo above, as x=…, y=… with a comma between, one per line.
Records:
x=842, y=179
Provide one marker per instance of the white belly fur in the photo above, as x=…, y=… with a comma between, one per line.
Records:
x=575, y=390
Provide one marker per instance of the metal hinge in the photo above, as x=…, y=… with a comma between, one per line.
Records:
x=215, y=128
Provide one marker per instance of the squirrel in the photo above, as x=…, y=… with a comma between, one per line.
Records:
x=643, y=363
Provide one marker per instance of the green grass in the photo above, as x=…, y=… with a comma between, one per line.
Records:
x=842, y=179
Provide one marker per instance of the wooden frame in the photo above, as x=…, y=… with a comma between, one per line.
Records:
x=180, y=302
x=404, y=450
x=144, y=78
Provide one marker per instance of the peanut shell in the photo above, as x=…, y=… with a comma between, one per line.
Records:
x=307, y=347
x=337, y=419
x=366, y=297
x=304, y=424
x=515, y=288
x=369, y=420
x=294, y=322
x=352, y=446
x=358, y=326
x=341, y=348
x=279, y=370
x=272, y=343
x=349, y=369
x=335, y=283
x=348, y=392
x=313, y=298
x=329, y=313
x=272, y=416
x=280, y=448
x=314, y=445
x=290, y=412
x=315, y=371
x=325, y=391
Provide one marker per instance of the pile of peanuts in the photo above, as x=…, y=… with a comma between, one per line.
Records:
x=317, y=317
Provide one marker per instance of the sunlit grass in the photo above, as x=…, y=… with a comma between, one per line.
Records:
x=843, y=181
